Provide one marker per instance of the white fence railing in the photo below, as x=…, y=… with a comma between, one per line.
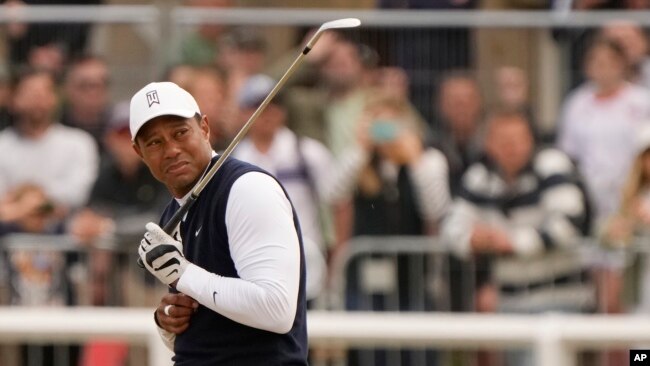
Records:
x=555, y=338
x=65, y=325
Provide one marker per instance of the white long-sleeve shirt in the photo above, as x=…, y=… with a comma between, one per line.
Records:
x=286, y=158
x=265, y=250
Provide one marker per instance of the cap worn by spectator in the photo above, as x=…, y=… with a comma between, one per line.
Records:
x=160, y=99
x=255, y=90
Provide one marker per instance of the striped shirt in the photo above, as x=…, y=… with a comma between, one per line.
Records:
x=544, y=214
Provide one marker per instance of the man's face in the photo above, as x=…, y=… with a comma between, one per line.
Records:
x=460, y=103
x=35, y=99
x=87, y=86
x=209, y=93
x=176, y=150
x=267, y=123
x=343, y=67
x=604, y=66
x=509, y=144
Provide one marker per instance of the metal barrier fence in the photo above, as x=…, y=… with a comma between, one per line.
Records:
x=42, y=273
x=385, y=274
x=419, y=274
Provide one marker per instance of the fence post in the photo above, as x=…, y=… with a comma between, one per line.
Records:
x=159, y=354
x=549, y=346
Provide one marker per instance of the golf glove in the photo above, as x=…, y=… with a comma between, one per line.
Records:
x=162, y=255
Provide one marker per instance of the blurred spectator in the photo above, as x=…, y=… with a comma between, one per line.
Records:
x=47, y=45
x=460, y=110
x=201, y=47
x=399, y=187
x=302, y=93
x=37, y=150
x=512, y=88
x=393, y=82
x=180, y=74
x=634, y=42
x=302, y=165
x=348, y=76
x=86, y=96
x=208, y=87
x=124, y=198
x=345, y=77
x=123, y=190
x=312, y=84
x=575, y=40
x=600, y=121
x=124, y=186
x=58, y=164
x=525, y=207
x=243, y=55
x=513, y=94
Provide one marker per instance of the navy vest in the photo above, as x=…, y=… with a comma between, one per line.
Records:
x=211, y=338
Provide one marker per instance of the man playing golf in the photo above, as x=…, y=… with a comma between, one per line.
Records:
x=235, y=263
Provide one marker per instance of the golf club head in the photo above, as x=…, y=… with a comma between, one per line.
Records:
x=340, y=23
x=334, y=24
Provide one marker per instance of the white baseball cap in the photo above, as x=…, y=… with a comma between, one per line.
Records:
x=160, y=99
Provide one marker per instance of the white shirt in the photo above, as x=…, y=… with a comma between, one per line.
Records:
x=265, y=250
x=64, y=162
x=282, y=160
x=600, y=135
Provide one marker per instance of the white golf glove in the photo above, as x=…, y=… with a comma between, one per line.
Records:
x=162, y=255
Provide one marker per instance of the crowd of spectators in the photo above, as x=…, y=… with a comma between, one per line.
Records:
x=358, y=157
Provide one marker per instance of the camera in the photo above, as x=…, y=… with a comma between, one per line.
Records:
x=383, y=131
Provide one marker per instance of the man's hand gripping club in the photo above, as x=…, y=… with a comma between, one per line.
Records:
x=162, y=255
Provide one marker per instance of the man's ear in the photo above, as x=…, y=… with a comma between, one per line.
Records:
x=136, y=148
x=205, y=126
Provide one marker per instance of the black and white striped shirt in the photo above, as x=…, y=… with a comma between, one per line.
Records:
x=544, y=214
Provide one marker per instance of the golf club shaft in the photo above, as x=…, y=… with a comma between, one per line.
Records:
x=171, y=224
x=178, y=215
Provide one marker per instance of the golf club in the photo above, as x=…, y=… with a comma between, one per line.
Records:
x=178, y=215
